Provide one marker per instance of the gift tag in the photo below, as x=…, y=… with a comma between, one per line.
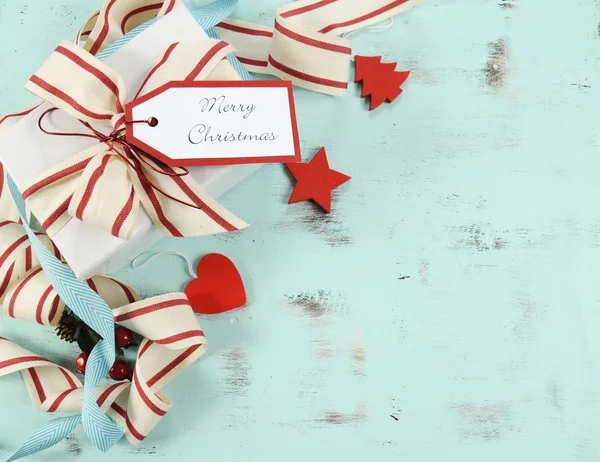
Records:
x=216, y=123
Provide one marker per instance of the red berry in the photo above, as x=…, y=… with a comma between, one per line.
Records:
x=119, y=370
x=81, y=362
x=123, y=336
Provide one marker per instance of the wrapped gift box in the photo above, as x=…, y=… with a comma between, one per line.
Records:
x=27, y=152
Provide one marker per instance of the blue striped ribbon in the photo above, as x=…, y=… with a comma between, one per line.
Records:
x=89, y=306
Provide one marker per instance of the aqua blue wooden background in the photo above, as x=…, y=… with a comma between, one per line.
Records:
x=447, y=310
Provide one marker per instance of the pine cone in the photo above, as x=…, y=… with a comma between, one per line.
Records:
x=67, y=326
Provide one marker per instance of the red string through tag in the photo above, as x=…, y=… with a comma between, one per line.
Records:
x=133, y=156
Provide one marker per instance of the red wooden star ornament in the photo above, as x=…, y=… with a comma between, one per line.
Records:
x=380, y=80
x=315, y=180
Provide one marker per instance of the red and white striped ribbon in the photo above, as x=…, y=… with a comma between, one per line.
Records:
x=98, y=186
x=302, y=46
x=172, y=341
x=87, y=28
x=117, y=17
x=18, y=261
x=8, y=210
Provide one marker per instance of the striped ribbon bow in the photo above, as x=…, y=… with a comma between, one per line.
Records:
x=106, y=184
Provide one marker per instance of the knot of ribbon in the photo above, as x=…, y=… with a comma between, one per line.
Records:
x=106, y=184
x=130, y=154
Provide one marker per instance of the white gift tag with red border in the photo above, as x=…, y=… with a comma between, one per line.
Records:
x=216, y=123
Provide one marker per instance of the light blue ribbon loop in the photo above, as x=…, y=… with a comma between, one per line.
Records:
x=89, y=306
x=103, y=431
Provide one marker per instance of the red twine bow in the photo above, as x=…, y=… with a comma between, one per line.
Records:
x=132, y=155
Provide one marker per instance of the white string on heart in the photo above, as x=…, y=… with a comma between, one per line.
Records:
x=152, y=255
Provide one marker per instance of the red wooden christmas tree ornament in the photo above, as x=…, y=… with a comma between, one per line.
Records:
x=380, y=80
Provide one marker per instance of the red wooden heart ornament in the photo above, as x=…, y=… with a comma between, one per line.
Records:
x=219, y=287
